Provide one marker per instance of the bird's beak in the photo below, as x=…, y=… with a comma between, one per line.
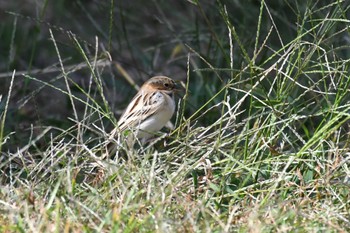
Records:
x=180, y=87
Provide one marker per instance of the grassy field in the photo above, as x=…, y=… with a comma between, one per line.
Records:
x=261, y=131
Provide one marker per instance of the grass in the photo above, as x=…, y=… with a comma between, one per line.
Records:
x=261, y=131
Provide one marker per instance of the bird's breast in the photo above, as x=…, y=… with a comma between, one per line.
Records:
x=166, y=110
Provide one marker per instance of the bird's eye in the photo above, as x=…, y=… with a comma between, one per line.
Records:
x=166, y=84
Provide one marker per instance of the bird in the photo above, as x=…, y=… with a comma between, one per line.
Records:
x=150, y=109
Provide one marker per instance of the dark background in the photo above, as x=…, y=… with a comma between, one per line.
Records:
x=143, y=37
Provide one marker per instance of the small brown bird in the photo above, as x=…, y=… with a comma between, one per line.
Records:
x=150, y=109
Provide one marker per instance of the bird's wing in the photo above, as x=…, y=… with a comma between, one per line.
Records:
x=141, y=107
